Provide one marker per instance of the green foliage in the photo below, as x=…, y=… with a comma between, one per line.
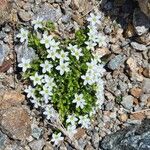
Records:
x=70, y=83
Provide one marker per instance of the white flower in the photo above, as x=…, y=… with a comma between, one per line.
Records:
x=101, y=40
x=49, y=112
x=92, y=28
x=37, y=23
x=46, y=40
x=90, y=45
x=88, y=78
x=97, y=57
x=63, y=67
x=46, y=92
x=77, y=53
x=92, y=65
x=100, y=69
x=63, y=56
x=72, y=47
x=94, y=19
x=71, y=119
x=25, y=64
x=71, y=129
x=52, y=54
x=54, y=45
x=23, y=35
x=30, y=91
x=49, y=81
x=46, y=66
x=80, y=102
x=37, y=79
x=84, y=121
x=56, y=138
x=92, y=36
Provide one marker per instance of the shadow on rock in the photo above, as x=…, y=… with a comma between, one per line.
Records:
x=131, y=138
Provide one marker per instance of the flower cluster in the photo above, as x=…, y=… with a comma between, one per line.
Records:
x=66, y=81
x=95, y=37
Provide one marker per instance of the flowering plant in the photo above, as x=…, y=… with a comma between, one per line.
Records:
x=66, y=78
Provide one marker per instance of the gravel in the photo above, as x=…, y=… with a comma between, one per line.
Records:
x=139, y=47
x=127, y=102
x=115, y=63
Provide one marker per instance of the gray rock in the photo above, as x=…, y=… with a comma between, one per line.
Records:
x=24, y=52
x=2, y=35
x=144, y=98
x=51, y=1
x=24, y=15
x=49, y=13
x=109, y=105
x=2, y=140
x=135, y=137
x=37, y=145
x=82, y=143
x=4, y=50
x=141, y=22
x=2, y=54
x=36, y=132
x=116, y=62
x=139, y=47
x=95, y=140
x=66, y=18
x=127, y=102
x=122, y=86
x=7, y=29
x=146, y=85
x=58, y=1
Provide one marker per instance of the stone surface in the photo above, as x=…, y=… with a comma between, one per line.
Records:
x=145, y=7
x=5, y=9
x=136, y=92
x=146, y=85
x=127, y=101
x=37, y=145
x=24, y=52
x=137, y=116
x=141, y=22
x=36, y=131
x=16, y=122
x=2, y=140
x=131, y=138
x=115, y=62
x=11, y=98
x=123, y=117
x=4, y=50
x=48, y=146
x=2, y=54
x=139, y=47
x=49, y=13
x=24, y=16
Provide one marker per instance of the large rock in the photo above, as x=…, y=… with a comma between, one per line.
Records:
x=141, y=22
x=145, y=6
x=146, y=85
x=16, y=123
x=47, y=12
x=4, y=50
x=11, y=98
x=115, y=62
x=5, y=9
x=131, y=138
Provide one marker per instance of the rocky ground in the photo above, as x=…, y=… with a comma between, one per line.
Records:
x=127, y=78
